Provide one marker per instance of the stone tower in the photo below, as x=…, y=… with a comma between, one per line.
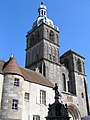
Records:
x=77, y=83
x=68, y=71
x=42, y=50
x=12, y=91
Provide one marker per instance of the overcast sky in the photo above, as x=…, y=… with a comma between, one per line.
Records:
x=71, y=16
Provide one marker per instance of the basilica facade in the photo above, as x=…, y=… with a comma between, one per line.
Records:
x=26, y=92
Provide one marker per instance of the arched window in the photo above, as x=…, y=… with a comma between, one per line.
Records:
x=51, y=35
x=66, y=63
x=79, y=67
x=37, y=53
x=50, y=52
x=42, y=68
x=54, y=54
x=37, y=36
x=83, y=68
x=27, y=59
x=40, y=34
x=57, y=39
x=68, y=83
x=64, y=82
x=45, y=50
x=28, y=43
x=47, y=33
x=31, y=40
x=86, y=93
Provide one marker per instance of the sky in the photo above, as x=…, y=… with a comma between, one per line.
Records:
x=71, y=16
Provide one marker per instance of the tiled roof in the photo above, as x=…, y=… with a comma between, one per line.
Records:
x=29, y=75
x=1, y=65
x=35, y=77
x=11, y=67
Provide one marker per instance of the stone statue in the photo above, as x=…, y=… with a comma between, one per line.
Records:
x=57, y=94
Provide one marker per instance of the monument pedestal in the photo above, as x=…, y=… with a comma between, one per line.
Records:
x=57, y=110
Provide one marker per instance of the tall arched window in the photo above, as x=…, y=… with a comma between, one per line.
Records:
x=47, y=33
x=31, y=40
x=66, y=63
x=79, y=67
x=54, y=54
x=64, y=82
x=50, y=52
x=86, y=94
x=37, y=36
x=51, y=35
x=42, y=68
x=40, y=34
x=57, y=40
x=45, y=50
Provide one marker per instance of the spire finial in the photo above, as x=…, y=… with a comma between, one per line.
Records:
x=12, y=56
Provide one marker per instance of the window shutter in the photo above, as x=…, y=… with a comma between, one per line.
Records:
x=47, y=102
x=38, y=97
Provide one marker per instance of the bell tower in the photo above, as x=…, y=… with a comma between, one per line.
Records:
x=42, y=44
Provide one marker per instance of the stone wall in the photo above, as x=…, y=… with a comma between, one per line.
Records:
x=11, y=92
x=1, y=88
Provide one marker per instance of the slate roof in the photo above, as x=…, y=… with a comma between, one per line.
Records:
x=11, y=67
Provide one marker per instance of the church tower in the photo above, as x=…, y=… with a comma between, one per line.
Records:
x=77, y=78
x=68, y=71
x=42, y=49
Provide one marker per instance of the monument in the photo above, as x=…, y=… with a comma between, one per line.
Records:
x=57, y=110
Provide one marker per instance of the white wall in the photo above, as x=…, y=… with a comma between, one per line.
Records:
x=33, y=106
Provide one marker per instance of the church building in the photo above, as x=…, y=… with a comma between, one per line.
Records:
x=25, y=93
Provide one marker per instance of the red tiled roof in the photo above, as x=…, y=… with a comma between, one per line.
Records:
x=1, y=65
x=35, y=77
x=11, y=67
